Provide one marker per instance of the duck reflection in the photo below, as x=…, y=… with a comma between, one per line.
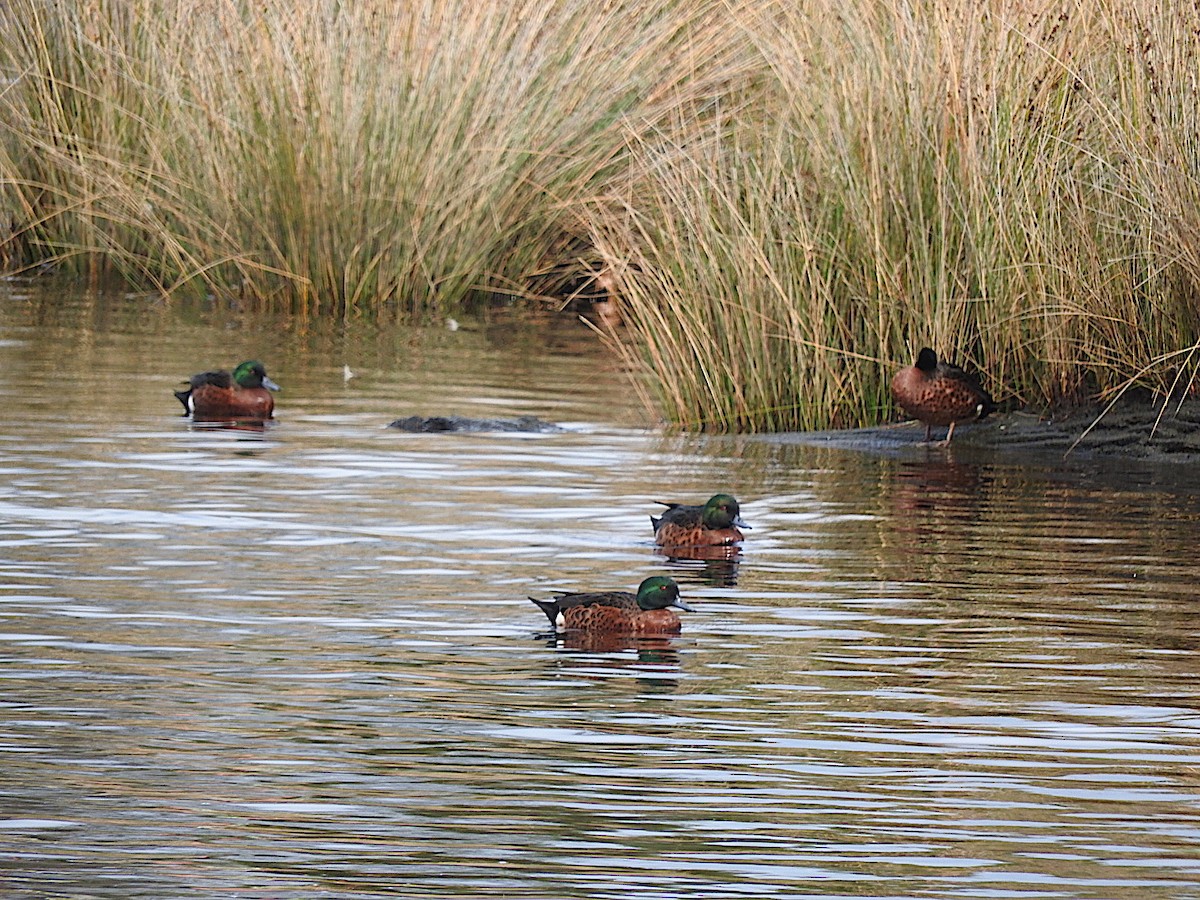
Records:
x=659, y=650
x=941, y=483
x=652, y=662
x=708, y=567
x=245, y=427
x=943, y=507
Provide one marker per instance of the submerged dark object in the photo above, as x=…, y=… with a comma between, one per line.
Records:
x=429, y=424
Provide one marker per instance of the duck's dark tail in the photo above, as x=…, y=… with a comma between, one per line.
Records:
x=550, y=608
x=185, y=398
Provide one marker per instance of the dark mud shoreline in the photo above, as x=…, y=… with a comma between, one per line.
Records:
x=1132, y=431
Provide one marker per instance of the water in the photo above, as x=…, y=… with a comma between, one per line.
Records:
x=301, y=663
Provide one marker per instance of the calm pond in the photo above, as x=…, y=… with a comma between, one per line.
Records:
x=302, y=663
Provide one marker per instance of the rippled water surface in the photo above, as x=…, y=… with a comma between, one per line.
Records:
x=302, y=663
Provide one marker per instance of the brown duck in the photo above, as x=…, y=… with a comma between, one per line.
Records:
x=715, y=523
x=219, y=396
x=938, y=393
x=647, y=612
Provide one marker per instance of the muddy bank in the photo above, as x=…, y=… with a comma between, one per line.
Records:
x=1133, y=430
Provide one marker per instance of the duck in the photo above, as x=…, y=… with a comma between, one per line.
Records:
x=218, y=396
x=939, y=393
x=712, y=524
x=651, y=611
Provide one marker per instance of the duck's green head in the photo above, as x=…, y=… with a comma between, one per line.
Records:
x=721, y=511
x=659, y=592
x=252, y=374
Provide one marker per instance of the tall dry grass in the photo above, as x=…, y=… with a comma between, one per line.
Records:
x=345, y=155
x=791, y=196
x=1014, y=183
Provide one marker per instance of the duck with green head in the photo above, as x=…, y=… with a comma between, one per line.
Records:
x=938, y=393
x=715, y=523
x=220, y=396
x=651, y=611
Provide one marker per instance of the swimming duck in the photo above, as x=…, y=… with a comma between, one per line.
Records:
x=647, y=612
x=217, y=396
x=938, y=393
x=715, y=523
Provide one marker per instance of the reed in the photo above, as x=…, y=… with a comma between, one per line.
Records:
x=1013, y=183
x=339, y=156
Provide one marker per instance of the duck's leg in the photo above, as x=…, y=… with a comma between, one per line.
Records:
x=950, y=433
x=928, y=432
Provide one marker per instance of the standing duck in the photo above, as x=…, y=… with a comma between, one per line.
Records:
x=648, y=612
x=219, y=396
x=938, y=393
x=716, y=523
